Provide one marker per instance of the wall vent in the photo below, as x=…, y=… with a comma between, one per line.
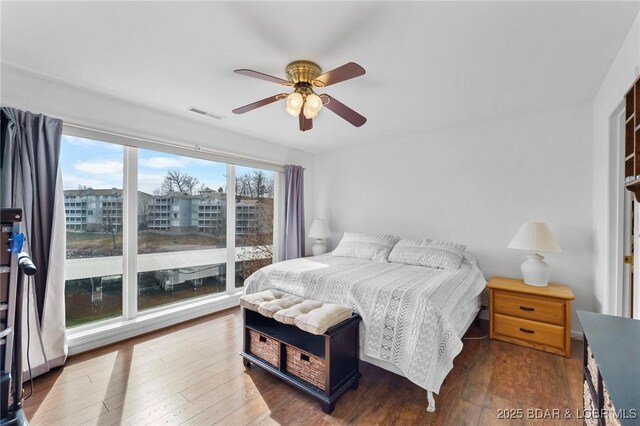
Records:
x=203, y=112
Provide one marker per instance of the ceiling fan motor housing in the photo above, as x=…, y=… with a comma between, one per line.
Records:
x=302, y=72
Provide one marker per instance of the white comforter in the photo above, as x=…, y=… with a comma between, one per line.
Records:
x=406, y=310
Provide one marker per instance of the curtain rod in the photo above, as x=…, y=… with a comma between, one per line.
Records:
x=194, y=147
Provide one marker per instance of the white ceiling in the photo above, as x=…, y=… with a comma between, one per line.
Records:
x=429, y=64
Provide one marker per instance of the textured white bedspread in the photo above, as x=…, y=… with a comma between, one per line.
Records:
x=406, y=310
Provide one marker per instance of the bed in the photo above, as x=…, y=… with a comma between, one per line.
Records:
x=413, y=317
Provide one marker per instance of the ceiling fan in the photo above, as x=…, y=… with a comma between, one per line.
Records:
x=303, y=102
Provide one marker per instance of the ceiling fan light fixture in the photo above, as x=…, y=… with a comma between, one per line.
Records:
x=294, y=103
x=312, y=105
x=304, y=76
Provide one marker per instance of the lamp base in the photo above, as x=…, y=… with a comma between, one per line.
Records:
x=536, y=271
x=319, y=247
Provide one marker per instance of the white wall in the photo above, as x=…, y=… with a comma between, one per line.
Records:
x=621, y=75
x=474, y=185
x=29, y=91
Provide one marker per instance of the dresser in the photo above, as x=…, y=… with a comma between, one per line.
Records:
x=611, y=386
x=536, y=317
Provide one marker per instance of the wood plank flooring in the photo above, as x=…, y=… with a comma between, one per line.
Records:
x=192, y=374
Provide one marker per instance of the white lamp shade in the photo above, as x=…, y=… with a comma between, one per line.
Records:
x=312, y=106
x=319, y=229
x=294, y=103
x=535, y=236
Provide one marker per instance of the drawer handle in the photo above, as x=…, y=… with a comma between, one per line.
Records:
x=526, y=330
x=304, y=357
x=263, y=339
x=526, y=308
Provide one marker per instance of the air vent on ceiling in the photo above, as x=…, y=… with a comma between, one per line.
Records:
x=202, y=112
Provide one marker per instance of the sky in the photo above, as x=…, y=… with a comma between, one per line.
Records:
x=100, y=166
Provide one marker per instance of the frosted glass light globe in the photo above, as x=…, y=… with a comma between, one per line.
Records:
x=312, y=106
x=294, y=104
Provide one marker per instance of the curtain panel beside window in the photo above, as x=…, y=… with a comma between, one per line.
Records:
x=30, y=180
x=294, y=237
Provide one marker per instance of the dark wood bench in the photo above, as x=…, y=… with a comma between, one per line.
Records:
x=324, y=366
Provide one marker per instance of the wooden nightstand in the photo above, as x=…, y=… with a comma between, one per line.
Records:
x=536, y=317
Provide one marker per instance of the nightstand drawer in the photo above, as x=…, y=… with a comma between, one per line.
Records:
x=530, y=331
x=529, y=307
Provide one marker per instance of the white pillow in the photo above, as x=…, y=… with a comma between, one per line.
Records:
x=430, y=253
x=365, y=246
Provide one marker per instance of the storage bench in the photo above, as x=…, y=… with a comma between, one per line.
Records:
x=324, y=366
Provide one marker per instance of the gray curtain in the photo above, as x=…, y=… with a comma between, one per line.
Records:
x=294, y=212
x=29, y=159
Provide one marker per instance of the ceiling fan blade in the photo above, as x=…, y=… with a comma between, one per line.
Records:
x=260, y=103
x=305, y=123
x=263, y=76
x=345, y=72
x=342, y=110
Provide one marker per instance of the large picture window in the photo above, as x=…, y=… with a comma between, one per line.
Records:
x=190, y=227
x=181, y=228
x=92, y=175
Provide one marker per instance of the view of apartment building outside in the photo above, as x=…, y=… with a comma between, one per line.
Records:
x=95, y=210
x=100, y=210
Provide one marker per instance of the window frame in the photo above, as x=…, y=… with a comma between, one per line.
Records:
x=132, y=322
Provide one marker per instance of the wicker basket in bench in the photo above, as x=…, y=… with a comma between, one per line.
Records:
x=306, y=366
x=265, y=347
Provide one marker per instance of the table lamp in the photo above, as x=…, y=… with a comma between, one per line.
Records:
x=319, y=230
x=536, y=237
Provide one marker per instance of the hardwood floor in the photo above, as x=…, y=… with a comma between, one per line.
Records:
x=192, y=374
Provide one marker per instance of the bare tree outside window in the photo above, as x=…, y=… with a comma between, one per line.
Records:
x=176, y=181
x=257, y=243
x=110, y=222
x=254, y=221
x=144, y=212
x=244, y=186
x=254, y=184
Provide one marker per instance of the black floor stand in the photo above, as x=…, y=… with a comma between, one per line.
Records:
x=13, y=265
x=17, y=419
